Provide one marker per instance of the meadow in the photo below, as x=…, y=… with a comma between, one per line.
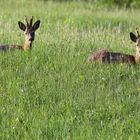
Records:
x=51, y=92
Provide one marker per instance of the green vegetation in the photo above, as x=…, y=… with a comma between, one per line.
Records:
x=51, y=93
x=120, y=3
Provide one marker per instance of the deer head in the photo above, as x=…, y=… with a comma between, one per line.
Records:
x=29, y=31
x=136, y=39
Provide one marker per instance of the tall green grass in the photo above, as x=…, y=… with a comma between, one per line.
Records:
x=50, y=92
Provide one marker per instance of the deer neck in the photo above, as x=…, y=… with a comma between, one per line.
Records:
x=137, y=58
x=27, y=46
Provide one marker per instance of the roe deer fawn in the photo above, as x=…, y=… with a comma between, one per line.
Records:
x=105, y=56
x=29, y=32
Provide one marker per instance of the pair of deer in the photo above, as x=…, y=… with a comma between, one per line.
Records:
x=29, y=32
x=101, y=56
x=105, y=56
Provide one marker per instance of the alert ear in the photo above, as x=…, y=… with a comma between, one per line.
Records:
x=36, y=25
x=133, y=37
x=21, y=26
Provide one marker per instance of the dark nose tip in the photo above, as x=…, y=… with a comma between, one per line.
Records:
x=31, y=39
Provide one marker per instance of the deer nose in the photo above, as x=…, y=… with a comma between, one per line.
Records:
x=31, y=39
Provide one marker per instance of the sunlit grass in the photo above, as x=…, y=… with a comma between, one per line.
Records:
x=50, y=92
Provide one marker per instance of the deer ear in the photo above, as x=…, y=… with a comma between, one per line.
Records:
x=133, y=37
x=36, y=25
x=21, y=26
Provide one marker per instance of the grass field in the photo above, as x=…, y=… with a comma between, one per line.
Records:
x=50, y=92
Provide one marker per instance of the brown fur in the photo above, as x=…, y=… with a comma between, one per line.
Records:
x=104, y=56
x=10, y=47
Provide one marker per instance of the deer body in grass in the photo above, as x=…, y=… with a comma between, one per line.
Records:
x=105, y=56
x=29, y=33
